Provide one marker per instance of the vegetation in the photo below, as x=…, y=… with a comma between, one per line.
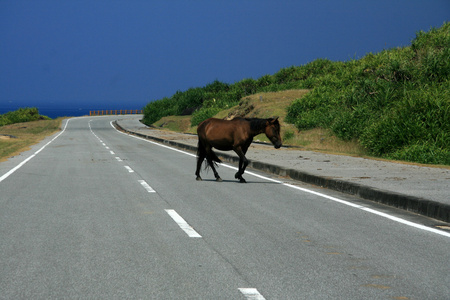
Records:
x=395, y=104
x=22, y=128
x=18, y=137
x=21, y=115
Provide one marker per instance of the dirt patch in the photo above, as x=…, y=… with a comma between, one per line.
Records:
x=263, y=105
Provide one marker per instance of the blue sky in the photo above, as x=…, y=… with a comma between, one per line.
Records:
x=74, y=56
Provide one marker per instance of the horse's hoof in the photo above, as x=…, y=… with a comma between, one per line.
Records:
x=198, y=178
x=242, y=180
x=218, y=179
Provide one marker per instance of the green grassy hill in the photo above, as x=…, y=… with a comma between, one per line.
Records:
x=395, y=104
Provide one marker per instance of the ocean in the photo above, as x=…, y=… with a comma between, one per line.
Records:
x=55, y=112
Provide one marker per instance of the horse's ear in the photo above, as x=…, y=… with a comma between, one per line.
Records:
x=275, y=119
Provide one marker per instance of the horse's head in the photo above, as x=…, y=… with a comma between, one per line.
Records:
x=273, y=132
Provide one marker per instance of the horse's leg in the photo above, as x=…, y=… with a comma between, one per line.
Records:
x=211, y=163
x=200, y=158
x=243, y=162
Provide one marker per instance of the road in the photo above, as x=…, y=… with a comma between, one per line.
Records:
x=98, y=214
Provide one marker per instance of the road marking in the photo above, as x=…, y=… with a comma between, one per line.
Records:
x=118, y=158
x=146, y=186
x=129, y=169
x=372, y=211
x=183, y=224
x=112, y=152
x=251, y=294
x=7, y=174
x=151, y=142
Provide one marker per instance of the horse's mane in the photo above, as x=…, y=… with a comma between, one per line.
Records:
x=257, y=124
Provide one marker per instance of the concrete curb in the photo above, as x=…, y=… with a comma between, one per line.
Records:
x=429, y=208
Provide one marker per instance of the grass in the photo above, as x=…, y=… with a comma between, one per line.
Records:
x=395, y=103
x=25, y=135
x=274, y=104
x=174, y=123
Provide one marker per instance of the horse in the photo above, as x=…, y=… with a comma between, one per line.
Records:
x=236, y=134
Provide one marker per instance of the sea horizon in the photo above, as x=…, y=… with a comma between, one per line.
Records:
x=56, y=112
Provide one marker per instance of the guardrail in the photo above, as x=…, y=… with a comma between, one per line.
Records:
x=115, y=112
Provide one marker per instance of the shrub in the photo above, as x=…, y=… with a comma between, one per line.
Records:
x=426, y=153
x=21, y=115
x=421, y=117
x=203, y=114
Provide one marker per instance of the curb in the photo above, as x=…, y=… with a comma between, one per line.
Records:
x=421, y=206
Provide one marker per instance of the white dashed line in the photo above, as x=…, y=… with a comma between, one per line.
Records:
x=146, y=186
x=251, y=294
x=183, y=224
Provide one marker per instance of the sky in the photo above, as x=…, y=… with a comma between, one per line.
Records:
x=67, y=57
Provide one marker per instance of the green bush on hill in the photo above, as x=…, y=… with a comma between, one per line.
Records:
x=21, y=115
x=396, y=103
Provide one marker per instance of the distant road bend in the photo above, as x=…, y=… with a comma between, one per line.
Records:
x=96, y=213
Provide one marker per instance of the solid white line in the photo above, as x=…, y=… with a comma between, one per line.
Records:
x=384, y=215
x=151, y=142
x=7, y=174
x=183, y=224
x=146, y=186
x=409, y=223
x=324, y=196
x=129, y=169
x=251, y=294
x=372, y=211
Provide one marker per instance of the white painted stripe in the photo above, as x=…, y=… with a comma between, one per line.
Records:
x=107, y=147
x=324, y=196
x=7, y=174
x=118, y=158
x=373, y=211
x=384, y=215
x=151, y=142
x=129, y=169
x=409, y=223
x=251, y=294
x=112, y=152
x=183, y=224
x=146, y=186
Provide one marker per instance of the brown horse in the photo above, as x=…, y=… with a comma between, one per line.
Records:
x=236, y=135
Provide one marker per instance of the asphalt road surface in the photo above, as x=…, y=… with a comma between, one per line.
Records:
x=93, y=213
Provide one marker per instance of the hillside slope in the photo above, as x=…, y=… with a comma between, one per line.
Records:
x=395, y=104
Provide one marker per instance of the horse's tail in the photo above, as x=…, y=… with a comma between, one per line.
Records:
x=210, y=156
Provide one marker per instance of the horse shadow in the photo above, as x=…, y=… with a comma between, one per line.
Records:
x=236, y=181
